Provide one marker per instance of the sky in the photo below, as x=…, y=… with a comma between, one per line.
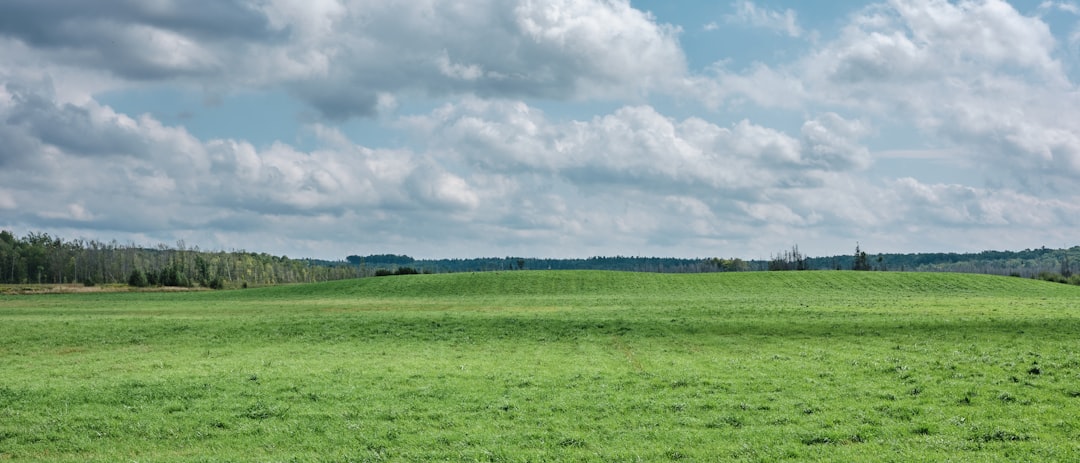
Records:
x=554, y=128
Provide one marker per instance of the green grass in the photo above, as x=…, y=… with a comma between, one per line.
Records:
x=550, y=366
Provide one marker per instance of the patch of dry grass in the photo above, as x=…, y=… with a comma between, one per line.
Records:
x=75, y=288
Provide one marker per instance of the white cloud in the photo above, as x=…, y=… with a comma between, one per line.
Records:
x=458, y=70
x=490, y=166
x=637, y=147
x=914, y=43
x=760, y=84
x=990, y=33
x=499, y=176
x=115, y=171
x=969, y=207
x=608, y=45
x=784, y=22
x=832, y=142
x=975, y=76
x=7, y=200
x=340, y=57
x=1068, y=7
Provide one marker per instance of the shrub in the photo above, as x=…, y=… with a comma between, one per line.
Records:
x=216, y=283
x=138, y=279
x=172, y=276
x=1052, y=277
x=382, y=272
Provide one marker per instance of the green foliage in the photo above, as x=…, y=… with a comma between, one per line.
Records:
x=1072, y=279
x=215, y=283
x=380, y=259
x=1052, y=277
x=861, y=262
x=138, y=279
x=730, y=265
x=40, y=258
x=382, y=272
x=173, y=275
x=789, y=260
x=1027, y=263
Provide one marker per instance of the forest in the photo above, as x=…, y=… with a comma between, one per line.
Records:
x=42, y=258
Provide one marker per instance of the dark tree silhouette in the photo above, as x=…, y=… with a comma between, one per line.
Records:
x=862, y=262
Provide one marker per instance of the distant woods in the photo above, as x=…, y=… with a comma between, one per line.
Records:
x=41, y=258
x=789, y=260
x=387, y=264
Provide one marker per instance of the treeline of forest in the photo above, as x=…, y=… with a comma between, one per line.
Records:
x=620, y=263
x=1049, y=264
x=41, y=258
x=1043, y=263
x=1056, y=265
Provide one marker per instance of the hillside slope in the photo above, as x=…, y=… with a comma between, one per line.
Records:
x=607, y=283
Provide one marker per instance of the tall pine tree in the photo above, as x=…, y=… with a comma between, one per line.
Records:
x=861, y=262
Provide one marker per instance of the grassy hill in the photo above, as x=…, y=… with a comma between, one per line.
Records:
x=593, y=283
x=550, y=366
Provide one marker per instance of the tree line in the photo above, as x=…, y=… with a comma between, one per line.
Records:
x=620, y=263
x=42, y=258
x=1029, y=263
x=1042, y=263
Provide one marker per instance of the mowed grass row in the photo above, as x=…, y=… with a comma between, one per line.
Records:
x=550, y=366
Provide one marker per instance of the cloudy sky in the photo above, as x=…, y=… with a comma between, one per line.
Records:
x=545, y=128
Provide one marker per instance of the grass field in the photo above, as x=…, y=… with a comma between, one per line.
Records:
x=550, y=366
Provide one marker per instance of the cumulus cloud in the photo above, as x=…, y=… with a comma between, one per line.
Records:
x=498, y=174
x=969, y=207
x=832, y=142
x=146, y=175
x=717, y=183
x=928, y=46
x=86, y=130
x=137, y=40
x=784, y=22
x=339, y=56
x=489, y=167
x=975, y=75
x=637, y=147
x=1069, y=7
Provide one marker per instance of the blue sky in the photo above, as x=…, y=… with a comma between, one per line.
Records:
x=560, y=128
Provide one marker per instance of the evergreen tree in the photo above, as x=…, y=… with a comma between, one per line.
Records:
x=138, y=279
x=862, y=262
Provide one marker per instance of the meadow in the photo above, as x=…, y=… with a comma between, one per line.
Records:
x=550, y=366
